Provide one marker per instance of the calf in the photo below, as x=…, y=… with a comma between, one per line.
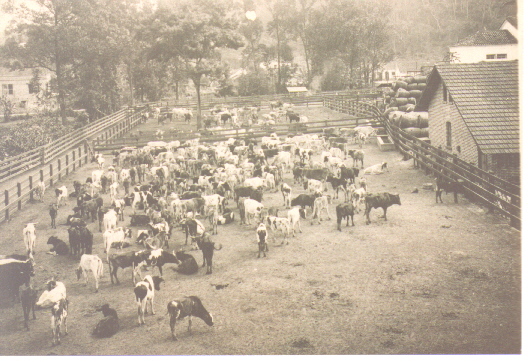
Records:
x=30, y=237
x=159, y=257
x=358, y=198
x=380, y=200
x=53, y=215
x=130, y=259
x=294, y=216
x=39, y=190
x=109, y=325
x=444, y=185
x=376, y=169
x=345, y=210
x=208, y=247
x=28, y=298
x=313, y=186
x=320, y=204
x=282, y=224
x=262, y=239
x=337, y=185
x=59, y=313
x=144, y=291
x=304, y=200
x=61, y=193
x=90, y=263
x=59, y=246
x=110, y=220
x=187, y=306
x=357, y=155
x=117, y=235
x=252, y=209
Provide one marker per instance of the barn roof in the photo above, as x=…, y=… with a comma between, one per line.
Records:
x=488, y=37
x=487, y=96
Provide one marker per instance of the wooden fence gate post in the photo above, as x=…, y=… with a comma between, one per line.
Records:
x=31, y=188
x=19, y=194
x=6, y=200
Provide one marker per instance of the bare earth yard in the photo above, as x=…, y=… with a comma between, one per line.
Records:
x=433, y=279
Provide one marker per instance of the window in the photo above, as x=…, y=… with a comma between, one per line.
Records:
x=393, y=73
x=446, y=95
x=490, y=56
x=502, y=56
x=7, y=89
x=448, y=135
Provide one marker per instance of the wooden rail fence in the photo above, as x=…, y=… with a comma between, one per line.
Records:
x=497, y=194
x=54, y=161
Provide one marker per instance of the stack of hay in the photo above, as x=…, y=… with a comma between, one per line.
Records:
x=401, y=101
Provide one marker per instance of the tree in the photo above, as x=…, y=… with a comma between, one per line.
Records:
x=7, y=107
x=192, y=34
x=252, y=31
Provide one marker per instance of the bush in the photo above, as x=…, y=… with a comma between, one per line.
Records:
x=30, y=134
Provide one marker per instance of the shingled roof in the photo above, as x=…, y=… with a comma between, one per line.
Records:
x=488, y=37
x=487, y=97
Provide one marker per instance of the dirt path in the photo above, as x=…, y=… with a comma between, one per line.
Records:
x=433, y=279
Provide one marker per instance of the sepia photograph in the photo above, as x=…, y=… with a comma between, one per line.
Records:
x=261, y=178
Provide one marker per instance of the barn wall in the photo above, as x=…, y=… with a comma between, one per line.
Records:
x=441, y=112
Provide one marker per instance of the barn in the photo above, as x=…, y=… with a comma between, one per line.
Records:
x=474, y=114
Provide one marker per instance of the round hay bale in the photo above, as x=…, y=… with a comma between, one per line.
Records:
x=414, y=131
x=389, y=110
x=401, y=101
x=409, y=80
x=412, y=100
x=395, y=115
x=399, y=84
x=423, y=123
x=392, y=93
x=402, y=93
x=409, y=107
x=410, y=119
x=402, y=108
x=416, y=93
x=421, y=86
x=420, y=79
x=412, y=87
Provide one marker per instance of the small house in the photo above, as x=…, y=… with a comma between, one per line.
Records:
x=474, y=114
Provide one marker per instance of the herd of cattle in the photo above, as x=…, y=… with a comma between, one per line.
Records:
x=187, y=187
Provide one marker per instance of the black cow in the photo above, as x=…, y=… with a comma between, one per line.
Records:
x=344, y=210
x=297, y=175
x=317, y=174
x=159, y=258
x=293, y=116
x=380, y=200
x=13, y=274
x=81, y=240
x=304, y=200
x=208, y=247
x=447, y=186
x=252, y=193
x=59, y=246
x=139, y=219
x=268, y=153
x=28, y=298
x=349, y=173
x=108, y=326
x=187, y=306
x=191, y=194
x=188, y=265
x=337, y=184
x=129, y=259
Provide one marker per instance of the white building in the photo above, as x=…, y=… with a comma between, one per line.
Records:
x=17, y=87
x=488, y=45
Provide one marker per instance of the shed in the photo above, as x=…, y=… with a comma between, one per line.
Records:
x=474, y=114
x=294, y=91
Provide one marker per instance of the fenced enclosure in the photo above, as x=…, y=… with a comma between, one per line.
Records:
x=51, y=162
x=497, y=194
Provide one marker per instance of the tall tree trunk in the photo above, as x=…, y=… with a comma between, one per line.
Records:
x=196, y=81
x=130, y=84
x=59, y=73
x=278, y=62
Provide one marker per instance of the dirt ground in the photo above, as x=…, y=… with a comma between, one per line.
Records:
x=433, y=279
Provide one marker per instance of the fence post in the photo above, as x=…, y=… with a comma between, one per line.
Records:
x=31, y=188
x=6, y=200
x=67, y=164
x=51, y=175
x=59, y=169
x=42, y=156
x=19, y=194
x=41, y=175
x=73, y=160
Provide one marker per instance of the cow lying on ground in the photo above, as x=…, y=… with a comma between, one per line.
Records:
x=187, y=306
x=380, y=200
x=376, y=169
x=109, y=325
x=345, y=210
x=59, y=248
x=188, y=265
x=144, y=291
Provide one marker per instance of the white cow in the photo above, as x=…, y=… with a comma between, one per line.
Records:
x=55, y=292
x=90, y=263
x=114, y=235
x=96, y=176
x=376, y=169
x=30, y=237
x=254, y=182
x=61, y=193
x=294, y=216
x=144, y=292
x=113, y=190
x=39, y=190
x=313, y=186
x=110, y=220
x=320, y=204
x=252, y=209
